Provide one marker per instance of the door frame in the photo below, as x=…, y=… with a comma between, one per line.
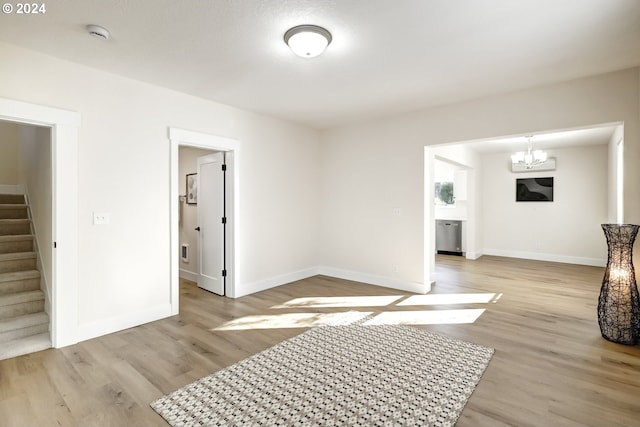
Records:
x=64, y=126
x=181, y=137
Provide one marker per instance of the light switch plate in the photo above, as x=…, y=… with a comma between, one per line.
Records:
x=101, y=218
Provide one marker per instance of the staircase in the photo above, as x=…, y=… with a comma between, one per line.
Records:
x=24, y=325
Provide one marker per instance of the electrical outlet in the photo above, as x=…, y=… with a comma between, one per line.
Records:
x=394, y=268
x=397, y=212
x=101, y=218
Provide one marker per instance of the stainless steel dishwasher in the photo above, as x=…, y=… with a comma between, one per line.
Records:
x=449, y=237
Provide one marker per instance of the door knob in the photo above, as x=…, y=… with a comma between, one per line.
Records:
x=198, y=228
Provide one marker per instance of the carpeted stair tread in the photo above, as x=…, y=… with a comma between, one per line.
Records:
x=19, y=275
x=15, y=221
x=16, y=238
x=12, y=199
x=19, y=281
x=23, y=321
x=15, y=226
x=25, y=345
x=21, y=297
x=16, y=243
x=13, y=212
x=17, y=255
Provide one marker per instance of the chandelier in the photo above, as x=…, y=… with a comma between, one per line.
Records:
x=531, y=158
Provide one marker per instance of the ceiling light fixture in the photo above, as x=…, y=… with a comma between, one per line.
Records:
x=307, y=41
x=98, y=31
x=531, y=158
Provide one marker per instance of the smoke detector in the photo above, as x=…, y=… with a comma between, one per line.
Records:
x=98, y=31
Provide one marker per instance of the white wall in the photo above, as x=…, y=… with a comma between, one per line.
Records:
x=565, y=230
x=35, y=175
x=613, y=175
x=370, y=167
x=123, y=267
x=187, y=164
x=9, y=142
x=368, y=175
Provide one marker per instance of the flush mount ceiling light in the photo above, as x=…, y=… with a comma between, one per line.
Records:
x=531, y=158
x=98, y=31
x=307, y=41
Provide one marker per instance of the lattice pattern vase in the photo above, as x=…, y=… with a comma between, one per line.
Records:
x=619, y=304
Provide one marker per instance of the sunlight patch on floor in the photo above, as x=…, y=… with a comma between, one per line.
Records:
x=293, y=320
x=390, y=315
x=426, y=317
x=441, y=299
x=359, y=301
x=310, y=320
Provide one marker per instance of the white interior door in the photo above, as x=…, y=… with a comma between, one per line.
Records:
x=210, y=222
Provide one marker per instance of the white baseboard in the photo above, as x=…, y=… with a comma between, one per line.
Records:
x=372, y=279
x=356, y=276
x=189, y=275
x=272, y=282
x=596, y=262
x=125, y=321
x=11, y=189
x=472, y=255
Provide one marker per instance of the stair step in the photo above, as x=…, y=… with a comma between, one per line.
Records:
x=19, y=261
x=19, y=281
x=23, y=326
x=15, y=226
x=25, y=345
x=13, y=212
x=20, y=297
x=21, y=303
x=17, y=199
x=16, y=243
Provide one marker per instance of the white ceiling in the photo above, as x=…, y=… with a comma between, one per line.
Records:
x=387, y=57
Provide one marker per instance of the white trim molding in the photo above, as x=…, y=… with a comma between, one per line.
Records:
x=369, y=279
x=118, y=323
x=272, y=282
x=189, y=275
x=372, y=279
x=537, y=256
x=231, y=147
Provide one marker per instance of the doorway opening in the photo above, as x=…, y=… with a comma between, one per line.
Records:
x=26, y=242
x=497, y=225
x=63, y=127
x=201, y=143
x=201, y=217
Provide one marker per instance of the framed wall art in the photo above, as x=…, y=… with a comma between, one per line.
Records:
x=192, y=188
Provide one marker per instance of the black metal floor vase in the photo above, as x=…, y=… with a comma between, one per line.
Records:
x=619, y=304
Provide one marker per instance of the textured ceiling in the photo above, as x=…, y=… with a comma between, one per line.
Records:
x=387, y=57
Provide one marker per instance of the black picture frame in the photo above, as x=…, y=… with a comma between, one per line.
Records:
x=534, y=189
x=191, y=188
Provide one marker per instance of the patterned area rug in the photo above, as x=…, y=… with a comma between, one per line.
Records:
x=338, y=376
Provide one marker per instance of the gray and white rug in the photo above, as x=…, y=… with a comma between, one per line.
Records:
x=338, y=376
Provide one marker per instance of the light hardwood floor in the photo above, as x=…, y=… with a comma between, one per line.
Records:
x=551, y=366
